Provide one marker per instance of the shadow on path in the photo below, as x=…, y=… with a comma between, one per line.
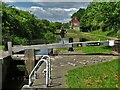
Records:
x=90, y=54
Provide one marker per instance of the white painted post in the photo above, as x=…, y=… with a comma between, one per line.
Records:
x=9, y=47
x=49, y=62
x=111, y=42
x=47, y=73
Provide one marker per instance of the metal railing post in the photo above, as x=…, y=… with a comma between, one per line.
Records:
x=48, y=70
x=35, y=74
x=49, y=60
x=47, y=73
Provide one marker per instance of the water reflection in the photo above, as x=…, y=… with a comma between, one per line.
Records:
x=42, y=52
x=64, y=40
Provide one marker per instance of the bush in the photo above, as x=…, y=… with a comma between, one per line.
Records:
x=18, y=40
x=49, y=37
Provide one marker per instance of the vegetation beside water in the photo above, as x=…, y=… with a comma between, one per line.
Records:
x=103, y=75
x=91, y=50
x=97, y=50
x=22, y=27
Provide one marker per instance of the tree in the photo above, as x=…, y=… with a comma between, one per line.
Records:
x=78, y=14
x=22, y=27
x=104, y=16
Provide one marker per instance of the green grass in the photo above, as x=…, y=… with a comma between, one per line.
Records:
x=72, y=31
x=94, y=37
x=100, y=32
x=104, y=75
x=96, y=50
x=1, y=47
x=111, y=33
x=92, y=49
x=88, y=36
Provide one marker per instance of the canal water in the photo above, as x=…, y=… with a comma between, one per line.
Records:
x=14, y=77
x=46, y=52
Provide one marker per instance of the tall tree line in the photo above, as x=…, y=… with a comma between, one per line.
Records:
x=22, y=26
x=104, y=16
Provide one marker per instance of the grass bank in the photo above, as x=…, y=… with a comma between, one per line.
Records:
x=97, y=50
x=1, y=47
x=103, y=75
x=110, y=33
x=95, y=35
x=91, y=50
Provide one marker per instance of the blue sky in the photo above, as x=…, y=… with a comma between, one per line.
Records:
x=52, y=11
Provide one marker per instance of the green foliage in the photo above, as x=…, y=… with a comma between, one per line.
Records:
x=58, y=25
x=72, y=31
x=103, y=16
x=79, y=14
x=18, y=40
x=94, y=76
x=48, y=37
x=65, y=25
x=22, y=27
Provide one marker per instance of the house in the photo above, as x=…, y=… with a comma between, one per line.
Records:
x=75, y=24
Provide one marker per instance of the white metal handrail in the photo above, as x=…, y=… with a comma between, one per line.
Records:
x=49, y=60
x=48, y=70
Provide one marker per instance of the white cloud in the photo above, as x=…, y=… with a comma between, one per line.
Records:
x=52, y=14
x=61, y=0
x=71, y=9
x=37, y=8
x=49, y=0
x=57, y=11
x=63, y=9
x=8, y=0
x=17, y=8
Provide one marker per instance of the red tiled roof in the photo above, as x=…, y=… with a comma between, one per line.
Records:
x=75, y=20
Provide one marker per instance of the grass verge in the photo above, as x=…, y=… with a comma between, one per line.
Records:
x=96, y=50
x=1, y=47
x=92, y=49
x=102, y=75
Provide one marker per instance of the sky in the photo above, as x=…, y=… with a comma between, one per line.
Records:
x=52, y=11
